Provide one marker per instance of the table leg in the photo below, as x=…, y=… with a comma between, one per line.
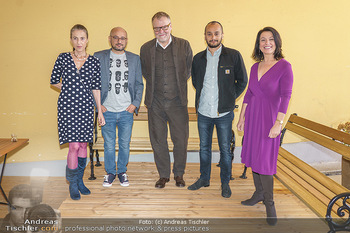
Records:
x=2, y=191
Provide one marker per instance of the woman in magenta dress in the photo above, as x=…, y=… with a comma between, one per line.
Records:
x=264, y=107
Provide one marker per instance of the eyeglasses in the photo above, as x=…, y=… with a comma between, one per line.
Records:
x=119, y=38
x=165, y=28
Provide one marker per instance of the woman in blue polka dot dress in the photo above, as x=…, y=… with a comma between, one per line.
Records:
x=77, y=75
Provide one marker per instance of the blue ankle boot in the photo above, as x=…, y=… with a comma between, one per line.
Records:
x=72, y=177
x=81, y=166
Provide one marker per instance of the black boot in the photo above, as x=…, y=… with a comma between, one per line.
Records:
x=258, y=195
x=72, y=177
x=267, y=183
x=81, y=167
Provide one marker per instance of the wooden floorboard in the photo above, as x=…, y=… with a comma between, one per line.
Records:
x=142, y=200
x=126, y=206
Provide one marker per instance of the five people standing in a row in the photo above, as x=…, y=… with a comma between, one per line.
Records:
x=114, y=76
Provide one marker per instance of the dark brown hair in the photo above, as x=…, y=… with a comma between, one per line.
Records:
x=258, y=55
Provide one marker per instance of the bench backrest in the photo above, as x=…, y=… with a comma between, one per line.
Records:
x=328, y=137
x=142, y=114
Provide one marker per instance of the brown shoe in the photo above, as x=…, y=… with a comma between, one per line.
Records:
x=180, y=181
x=161, y=182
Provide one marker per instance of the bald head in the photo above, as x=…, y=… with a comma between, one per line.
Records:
x=118, y=38
x=118, y=29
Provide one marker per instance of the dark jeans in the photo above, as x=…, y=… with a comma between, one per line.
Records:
x=158, y=119
x=224, y=134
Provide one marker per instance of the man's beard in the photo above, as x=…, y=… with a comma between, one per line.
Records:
x=118, y=49
x=214, y=46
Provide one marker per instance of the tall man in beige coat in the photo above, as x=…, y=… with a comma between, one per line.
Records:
x=166, y=66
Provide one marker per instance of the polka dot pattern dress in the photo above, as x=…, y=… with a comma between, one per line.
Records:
x=75, y=106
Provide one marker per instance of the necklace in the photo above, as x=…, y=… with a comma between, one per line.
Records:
x=79, y=58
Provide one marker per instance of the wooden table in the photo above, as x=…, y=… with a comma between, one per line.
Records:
x=7, y=146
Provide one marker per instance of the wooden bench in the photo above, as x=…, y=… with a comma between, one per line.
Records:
x=314, y=188
x=143, y=144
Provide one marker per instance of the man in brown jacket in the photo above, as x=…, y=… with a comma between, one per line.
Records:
x=166, y=66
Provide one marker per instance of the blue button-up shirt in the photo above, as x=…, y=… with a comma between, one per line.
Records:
x=209, y=99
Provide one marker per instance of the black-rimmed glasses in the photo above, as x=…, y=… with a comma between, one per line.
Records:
x=164, y=28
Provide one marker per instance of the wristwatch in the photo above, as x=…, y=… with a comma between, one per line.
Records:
x=281, y=122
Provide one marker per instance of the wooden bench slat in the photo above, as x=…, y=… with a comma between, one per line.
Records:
x=310, y=200
x=143, y=115
x=144, y=144
x=191, y=110
x=312, y=172
x=290, y=179
x=316, y=192
x=322, y=140
x=317, y=189
x=311, y=186
x=325, y=130
x=307, y=181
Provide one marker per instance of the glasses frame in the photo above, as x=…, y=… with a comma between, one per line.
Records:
x=119, y=38
x=164, y=28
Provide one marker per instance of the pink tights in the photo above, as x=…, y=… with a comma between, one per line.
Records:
x=76, y=149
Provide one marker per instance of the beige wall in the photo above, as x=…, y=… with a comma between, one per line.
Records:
x=315, y=37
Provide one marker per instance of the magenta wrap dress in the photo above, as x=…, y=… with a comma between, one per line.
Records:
x=265, y=98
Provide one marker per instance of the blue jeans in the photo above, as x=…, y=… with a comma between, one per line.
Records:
x=224, y=134
x=124, y=121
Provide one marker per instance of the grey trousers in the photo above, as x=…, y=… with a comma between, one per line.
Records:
x=159, y=116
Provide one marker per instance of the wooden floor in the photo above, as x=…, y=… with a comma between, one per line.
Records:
x=141, y=199
x=128, y=206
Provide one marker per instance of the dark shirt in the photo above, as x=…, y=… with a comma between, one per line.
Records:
x=182, y=54
x=232, y=77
